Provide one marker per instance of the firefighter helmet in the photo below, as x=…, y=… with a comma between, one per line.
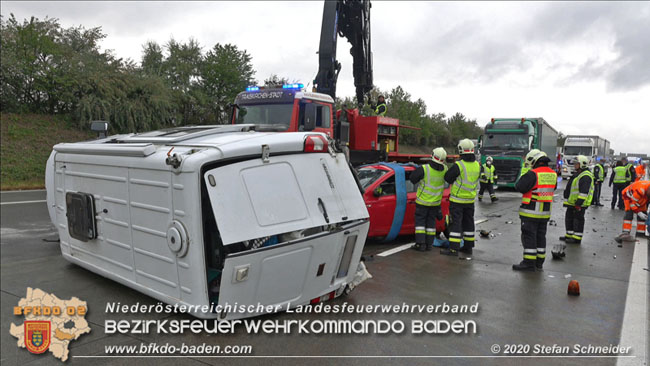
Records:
x=439, y=155
x=488, y=159
x=533, y=156
x=583, y=161
x=465, y=146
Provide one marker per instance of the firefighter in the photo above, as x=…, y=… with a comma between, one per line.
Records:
x=525, y=164
x=636, y=198
x=429, y=196
x=619, y=180
x=600, y=174
x=640, y=170
x=578, y=194
x=487, y=179
x=537, y=186
x=380, y=108
x=463, y=177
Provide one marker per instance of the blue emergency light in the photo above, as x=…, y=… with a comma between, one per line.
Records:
x=293, y=86
x=252, y=88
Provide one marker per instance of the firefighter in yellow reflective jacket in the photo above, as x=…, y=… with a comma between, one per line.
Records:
x=537, y=186
x=380, y=108
x=599, y=174
x=429, y=196
x=578, y=194
x=463, y=177
x=487, y=179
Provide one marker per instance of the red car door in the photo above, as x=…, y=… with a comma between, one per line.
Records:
x=382, y=207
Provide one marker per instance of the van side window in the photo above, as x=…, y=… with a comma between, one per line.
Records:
x=388, y=187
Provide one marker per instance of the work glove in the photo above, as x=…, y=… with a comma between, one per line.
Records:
x=439, y=214
x=642, y=215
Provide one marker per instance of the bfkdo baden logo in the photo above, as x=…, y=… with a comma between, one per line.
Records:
x=50, y=323
x=37, y=335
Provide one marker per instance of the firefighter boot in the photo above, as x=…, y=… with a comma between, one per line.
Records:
x=420, y=247
x=539, y=264
x=527, y=265
x=494, y=199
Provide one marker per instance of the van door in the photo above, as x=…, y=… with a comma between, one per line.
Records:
x=283, y=276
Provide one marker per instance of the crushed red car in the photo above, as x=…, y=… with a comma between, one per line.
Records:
x=381, y=195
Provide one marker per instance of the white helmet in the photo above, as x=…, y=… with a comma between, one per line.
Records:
x=583, y=161
x=488, y=159
x=439, y=155
x=533, y=156
x=465, y=146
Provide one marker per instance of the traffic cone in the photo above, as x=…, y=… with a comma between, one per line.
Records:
x=574, y=288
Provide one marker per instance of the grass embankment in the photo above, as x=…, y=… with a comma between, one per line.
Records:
x=26, y=143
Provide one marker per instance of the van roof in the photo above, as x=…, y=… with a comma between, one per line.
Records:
x=231, y=140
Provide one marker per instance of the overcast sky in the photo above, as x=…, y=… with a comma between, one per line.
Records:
x=583, y=66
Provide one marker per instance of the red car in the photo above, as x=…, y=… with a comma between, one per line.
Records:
x=380, y=195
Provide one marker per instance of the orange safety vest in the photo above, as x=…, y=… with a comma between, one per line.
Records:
x=640, y=172
x=536, y=204
x=635, y=197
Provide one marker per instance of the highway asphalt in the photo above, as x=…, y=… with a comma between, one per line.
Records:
x=514, y=308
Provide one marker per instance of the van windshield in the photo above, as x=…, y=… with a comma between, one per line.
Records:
x=278, y=115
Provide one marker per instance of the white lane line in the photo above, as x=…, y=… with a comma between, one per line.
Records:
x=395, y=250
x=23, y=191
x=21, y=202
x=480, y=221
x=634, y=332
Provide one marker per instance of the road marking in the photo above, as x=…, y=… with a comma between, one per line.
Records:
x=633, y=332
x=395, y=250
x=480, y=221
x=21, y=202
x=24, y=190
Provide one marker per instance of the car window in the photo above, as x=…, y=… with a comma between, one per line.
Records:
x=410, y=187
x=388, y=187
x=368, y=176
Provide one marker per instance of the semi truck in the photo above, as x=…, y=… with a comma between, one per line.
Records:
x=594, y=147
x=508, y=140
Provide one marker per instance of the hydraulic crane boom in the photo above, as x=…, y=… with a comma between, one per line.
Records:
x=349, y=19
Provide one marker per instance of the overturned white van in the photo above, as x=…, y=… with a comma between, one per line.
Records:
x=211, y=215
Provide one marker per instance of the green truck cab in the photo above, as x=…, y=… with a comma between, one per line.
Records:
x=508, y=140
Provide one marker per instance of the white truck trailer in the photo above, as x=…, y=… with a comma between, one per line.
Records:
x=211, y=216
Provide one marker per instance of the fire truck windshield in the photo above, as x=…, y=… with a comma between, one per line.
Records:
x=265, y=114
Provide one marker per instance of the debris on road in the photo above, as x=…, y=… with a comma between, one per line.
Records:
x=508, y=222
x=567, y=275
x=485, y=234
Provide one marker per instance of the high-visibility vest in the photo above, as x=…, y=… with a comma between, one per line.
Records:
x=431, y=186
x=377, y=109
x=524, y=168
x=537, y=202
x=488, y=176
x=464, y=188
x=620, y=174
x=640, y=173
x=601, y=173
x=628, y=172
x=575, y=194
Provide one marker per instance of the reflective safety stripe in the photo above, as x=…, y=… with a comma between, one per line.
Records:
x=601, y=173
x=530, y=251
x=569, y=232
x=541, y=255
x=454, y=240
x=620, y=173
x=468, y=233
x=540, y=250
x=465, y=187
x=468, y=238
x=575, y=194
x=628, y=173
x=431, y=187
